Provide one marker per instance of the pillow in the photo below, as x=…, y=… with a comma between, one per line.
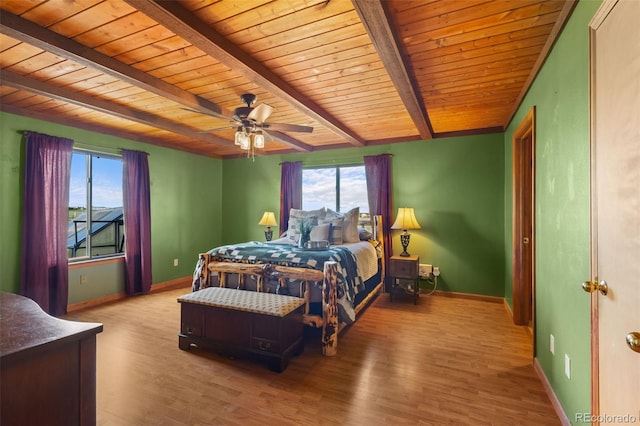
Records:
x=330, y=214
x=350, y=227
x=350, y=224
x=364, y=234
x=293, y=232
x=320, y=232
x=335, y=231
x=295, y=216
x=297, y=212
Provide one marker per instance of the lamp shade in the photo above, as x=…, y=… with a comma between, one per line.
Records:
x=245, y=141
x=406, y=219
x=258, y=139
x=268, y=219
x=238, y=135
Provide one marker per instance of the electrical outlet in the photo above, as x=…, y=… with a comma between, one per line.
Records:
x=425, y=270
x=175, y=262
x=436, y=271
x=552, y=344
x=83, y=279
x=567, y=366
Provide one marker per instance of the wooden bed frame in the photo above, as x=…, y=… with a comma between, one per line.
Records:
x=328, y=321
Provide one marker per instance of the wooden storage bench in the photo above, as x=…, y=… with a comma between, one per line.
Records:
x=243, y=323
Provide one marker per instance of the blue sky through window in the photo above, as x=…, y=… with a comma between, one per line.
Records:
x=319, y=188
x=107, y=181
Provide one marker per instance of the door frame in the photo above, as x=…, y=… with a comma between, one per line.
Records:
x=520, y=294
x=597, y=20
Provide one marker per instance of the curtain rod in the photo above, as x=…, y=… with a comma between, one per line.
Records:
x=103, y=149
x=82, y=145
x=96, y=148
x=346, y=161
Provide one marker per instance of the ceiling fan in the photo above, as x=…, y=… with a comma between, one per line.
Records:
x=251, y=127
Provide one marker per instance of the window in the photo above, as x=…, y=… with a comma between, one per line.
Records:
x=95, y=186
x=338, y=188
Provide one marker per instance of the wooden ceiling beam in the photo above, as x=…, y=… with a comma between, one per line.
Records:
x=289, y=141
x=49, y=41
x=378, y=24
x=183, y=23
x=80, y=124
x=17, y=81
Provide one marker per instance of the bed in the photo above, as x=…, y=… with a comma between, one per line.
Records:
x=336, y=283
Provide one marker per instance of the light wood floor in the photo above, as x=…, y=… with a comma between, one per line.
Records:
x=444, y=361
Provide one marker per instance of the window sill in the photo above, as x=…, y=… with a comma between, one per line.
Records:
x=78, y=264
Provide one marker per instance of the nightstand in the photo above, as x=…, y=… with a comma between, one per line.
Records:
x=404, y=275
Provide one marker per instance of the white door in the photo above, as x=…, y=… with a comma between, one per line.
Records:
x=615, y=107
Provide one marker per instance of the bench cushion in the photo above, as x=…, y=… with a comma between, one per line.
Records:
x=277, y=305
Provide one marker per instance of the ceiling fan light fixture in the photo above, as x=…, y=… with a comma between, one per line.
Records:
x=258, y=139
x=243, y=140
x=249, y=123
x=238, y=135
x=245, y=143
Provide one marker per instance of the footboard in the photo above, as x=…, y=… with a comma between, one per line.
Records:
x=284, y=275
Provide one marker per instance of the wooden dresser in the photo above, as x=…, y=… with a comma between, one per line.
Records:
x=47, y=366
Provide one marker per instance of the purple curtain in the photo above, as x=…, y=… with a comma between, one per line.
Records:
x=137, y=222
x=378, y=172
x=290, y=191
x=44, y=263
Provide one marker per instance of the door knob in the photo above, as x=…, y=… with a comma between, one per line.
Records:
x=633, y=341
x=590, y=287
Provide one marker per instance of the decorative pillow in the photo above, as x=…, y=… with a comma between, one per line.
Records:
x=350, y=227
x=318, y=213
x=293, y=233
x=335, y=232
x=321, y=232
x=330, y=214
x=295, y=216
x=364, y=234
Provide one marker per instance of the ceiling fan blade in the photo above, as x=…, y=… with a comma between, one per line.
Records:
x=267, y=136
x=287, y=127
x=260, y=113
x=217, y=129
x=220, y=116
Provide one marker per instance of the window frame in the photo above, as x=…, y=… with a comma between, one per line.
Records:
x=119, y=231
x=337, y=168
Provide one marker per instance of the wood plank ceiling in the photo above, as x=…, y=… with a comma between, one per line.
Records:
x=359, y=72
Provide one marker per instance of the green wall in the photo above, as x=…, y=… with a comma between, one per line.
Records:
x=186, y=190
x=455, y=185
x=560, y=94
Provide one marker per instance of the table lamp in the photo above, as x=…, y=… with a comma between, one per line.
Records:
x=406, y=219
x=268, y=220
